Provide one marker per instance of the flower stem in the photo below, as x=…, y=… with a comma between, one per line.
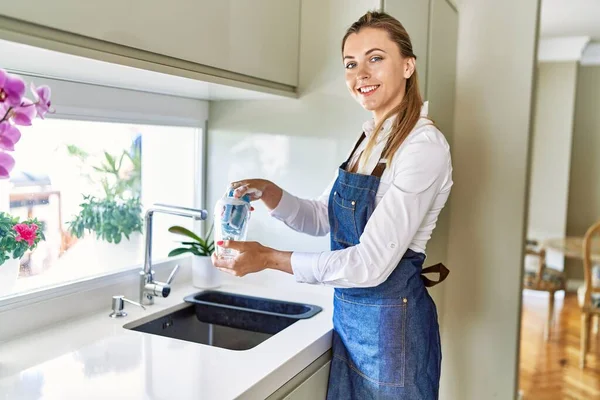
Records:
x=6, y=115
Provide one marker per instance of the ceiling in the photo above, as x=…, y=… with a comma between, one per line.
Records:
x=570, y=18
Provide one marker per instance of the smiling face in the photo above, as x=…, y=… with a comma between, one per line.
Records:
x=376, y=72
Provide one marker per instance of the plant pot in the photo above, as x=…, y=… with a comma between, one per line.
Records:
x=129, y=251
x=204, y=274
x=97, y=255
x=9, y=272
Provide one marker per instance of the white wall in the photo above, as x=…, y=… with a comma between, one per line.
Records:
x=169, y=182
x=551, y=153
x=496, y=53
x=584, y=188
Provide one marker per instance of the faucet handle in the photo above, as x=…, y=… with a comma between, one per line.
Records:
x=160, y=289
x=118, y=305
x=170, y=278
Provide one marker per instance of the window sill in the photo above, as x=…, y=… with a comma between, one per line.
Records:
x=25, y=312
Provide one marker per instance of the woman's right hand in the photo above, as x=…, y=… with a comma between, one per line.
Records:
x=259, y=189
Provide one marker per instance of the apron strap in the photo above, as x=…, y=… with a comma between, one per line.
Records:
x=440, y=268
x=379, y=168
x=360, y=139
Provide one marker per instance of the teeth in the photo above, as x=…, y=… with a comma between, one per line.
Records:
x=367, y=89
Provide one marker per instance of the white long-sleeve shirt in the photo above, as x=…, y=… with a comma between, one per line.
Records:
x=412, y=191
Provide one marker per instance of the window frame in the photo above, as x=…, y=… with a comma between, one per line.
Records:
x=145, y=109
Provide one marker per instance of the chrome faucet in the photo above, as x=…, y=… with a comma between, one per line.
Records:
x=148, y=286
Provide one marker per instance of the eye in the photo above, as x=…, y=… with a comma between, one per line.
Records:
x=376, y=58
x=350, y=65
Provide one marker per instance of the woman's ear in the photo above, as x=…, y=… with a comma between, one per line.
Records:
x=409, y=67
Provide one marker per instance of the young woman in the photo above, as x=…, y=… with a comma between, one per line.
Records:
x=380, y=211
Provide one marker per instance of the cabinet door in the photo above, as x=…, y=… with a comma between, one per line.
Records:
x=442, y=65
x=310, y=383
x=258, y=38
x=314, y=388
x=414, y=16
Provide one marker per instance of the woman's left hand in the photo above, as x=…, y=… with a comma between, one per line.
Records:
x=252, y=257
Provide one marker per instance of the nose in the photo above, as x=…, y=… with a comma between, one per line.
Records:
x=362, y=73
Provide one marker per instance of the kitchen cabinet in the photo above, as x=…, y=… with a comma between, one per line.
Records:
x=250, y=38
x=443, y=43
x=311, y=383
x=414, y=16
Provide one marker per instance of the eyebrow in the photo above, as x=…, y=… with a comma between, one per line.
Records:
x=367, y=53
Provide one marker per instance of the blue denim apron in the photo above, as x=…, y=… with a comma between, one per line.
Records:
x=386, y=342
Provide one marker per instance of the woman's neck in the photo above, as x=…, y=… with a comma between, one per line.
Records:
x=381, y=114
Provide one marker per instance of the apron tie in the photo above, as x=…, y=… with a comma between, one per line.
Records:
x=439, y=268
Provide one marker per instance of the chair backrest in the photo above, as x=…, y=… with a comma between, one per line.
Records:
x=532, y=249
x=587, y=263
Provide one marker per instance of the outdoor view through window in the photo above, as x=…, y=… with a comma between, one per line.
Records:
x=86, y=184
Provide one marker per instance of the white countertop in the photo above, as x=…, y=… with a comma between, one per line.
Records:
x=96, y=358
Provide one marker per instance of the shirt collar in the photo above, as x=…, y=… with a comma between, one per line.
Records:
x=369, y=126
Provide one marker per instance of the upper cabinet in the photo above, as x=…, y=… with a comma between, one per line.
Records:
x=414, y=16
x=441, y=85
x=252, y=38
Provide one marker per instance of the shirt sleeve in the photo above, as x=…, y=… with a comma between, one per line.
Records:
x=310, y=216
x=419, y=177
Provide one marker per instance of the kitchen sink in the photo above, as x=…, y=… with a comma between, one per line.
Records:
x=227, y=320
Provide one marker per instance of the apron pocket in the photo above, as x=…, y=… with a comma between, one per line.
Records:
x=374, y=337
x=344, y=229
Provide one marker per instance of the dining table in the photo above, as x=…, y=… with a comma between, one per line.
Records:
x=572, y=247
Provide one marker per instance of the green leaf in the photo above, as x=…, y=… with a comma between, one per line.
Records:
x=110, y=159
x=178, y=251
x=180, y=230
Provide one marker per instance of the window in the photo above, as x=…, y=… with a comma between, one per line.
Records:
x=73, y=165
x=86, y=182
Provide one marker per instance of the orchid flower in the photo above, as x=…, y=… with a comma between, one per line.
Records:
x=12, y=89
x=7, y=163
x=15, y=109
x=24, y=114
x=41, y=96
x=9, y=136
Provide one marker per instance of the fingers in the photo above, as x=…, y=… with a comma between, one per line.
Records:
x=231, y=244
x=235, y=185
x=225, y=265
x=242, y=188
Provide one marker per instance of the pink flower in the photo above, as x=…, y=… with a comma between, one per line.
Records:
x=7, y=163
x=9, y=136
x=24, y=114
x=41, y=96
x=12, y=89
x=26, y=232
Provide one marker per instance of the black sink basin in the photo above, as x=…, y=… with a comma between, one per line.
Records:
x=246, y=312
x=226, y=320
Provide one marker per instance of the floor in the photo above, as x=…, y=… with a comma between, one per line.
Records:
x=550, y=370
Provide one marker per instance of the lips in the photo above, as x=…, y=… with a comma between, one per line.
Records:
x=368, y=90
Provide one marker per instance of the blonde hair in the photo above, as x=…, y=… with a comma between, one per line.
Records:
x=408, y=111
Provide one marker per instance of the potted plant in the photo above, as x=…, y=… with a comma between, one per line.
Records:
x=204, y=274
x=16, y=238
x=115, y=216
x=111, y=220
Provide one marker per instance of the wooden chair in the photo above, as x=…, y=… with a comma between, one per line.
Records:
x=540, y=277
x=590, y=305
